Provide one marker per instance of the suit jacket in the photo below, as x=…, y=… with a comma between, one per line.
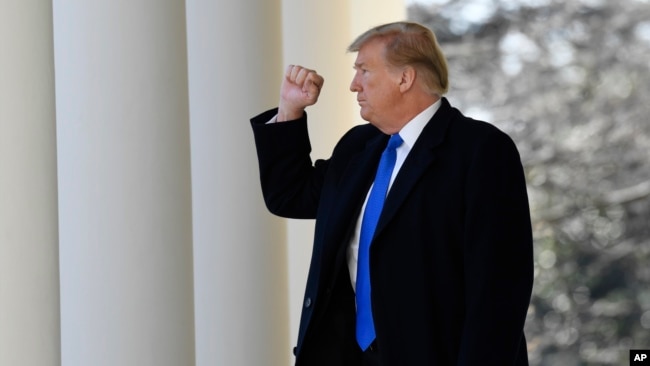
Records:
x=451, y=261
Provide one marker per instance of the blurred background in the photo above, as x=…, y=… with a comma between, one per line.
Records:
x=569, y=81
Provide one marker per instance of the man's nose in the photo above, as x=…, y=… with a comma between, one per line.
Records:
x=354, y=86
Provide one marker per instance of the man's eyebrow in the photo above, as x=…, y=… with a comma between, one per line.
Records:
x=359, y=64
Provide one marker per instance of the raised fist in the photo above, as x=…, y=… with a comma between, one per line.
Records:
x=300, y=89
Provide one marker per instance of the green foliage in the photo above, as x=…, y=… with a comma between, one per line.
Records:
x=570, y=82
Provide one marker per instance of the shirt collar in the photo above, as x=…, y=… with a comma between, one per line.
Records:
x=411, y=131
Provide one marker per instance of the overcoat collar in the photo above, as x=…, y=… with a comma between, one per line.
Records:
x=419, y=159
x=360, y=172
x=336, y=226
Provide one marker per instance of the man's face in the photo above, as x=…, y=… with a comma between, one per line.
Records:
x=377, y=85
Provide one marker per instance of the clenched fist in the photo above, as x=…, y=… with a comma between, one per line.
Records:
x=300, y=89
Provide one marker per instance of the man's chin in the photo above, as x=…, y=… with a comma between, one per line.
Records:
x=364, y=116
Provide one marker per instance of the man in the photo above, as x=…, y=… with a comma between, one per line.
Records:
x=438, y=271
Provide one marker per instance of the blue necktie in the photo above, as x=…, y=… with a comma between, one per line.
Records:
x=365, y=325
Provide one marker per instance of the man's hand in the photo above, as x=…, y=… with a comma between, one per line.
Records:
x=300, y=89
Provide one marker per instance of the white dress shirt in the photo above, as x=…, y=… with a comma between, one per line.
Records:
x=409, y=133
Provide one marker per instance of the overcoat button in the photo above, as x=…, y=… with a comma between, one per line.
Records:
x=308, y=302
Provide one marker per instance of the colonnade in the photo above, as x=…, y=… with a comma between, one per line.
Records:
x=132, y=230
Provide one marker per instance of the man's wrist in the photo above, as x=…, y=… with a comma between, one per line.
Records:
x=289, y=115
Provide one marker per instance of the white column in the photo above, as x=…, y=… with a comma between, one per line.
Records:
x=316, y=35
x=234, y=53
x=124, y=183
x=29, y=277
x=369, y=13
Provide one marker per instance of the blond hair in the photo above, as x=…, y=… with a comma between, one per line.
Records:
x=412, y=44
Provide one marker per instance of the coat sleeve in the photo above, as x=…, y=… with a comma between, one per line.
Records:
x=498, y=255
x=291, y=183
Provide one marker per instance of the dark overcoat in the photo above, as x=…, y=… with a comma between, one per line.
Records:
x=451, y=263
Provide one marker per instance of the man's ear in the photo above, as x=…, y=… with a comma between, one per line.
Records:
x=407, y=78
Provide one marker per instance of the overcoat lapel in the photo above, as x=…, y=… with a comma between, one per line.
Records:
x=359, y=174
x=352, y=187
x=420, y=158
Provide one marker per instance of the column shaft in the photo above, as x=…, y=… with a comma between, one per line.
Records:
x=234, y=53
x=29, y=277
x=124, y=183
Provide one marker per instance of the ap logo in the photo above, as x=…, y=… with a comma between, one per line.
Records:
x=639, y=357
